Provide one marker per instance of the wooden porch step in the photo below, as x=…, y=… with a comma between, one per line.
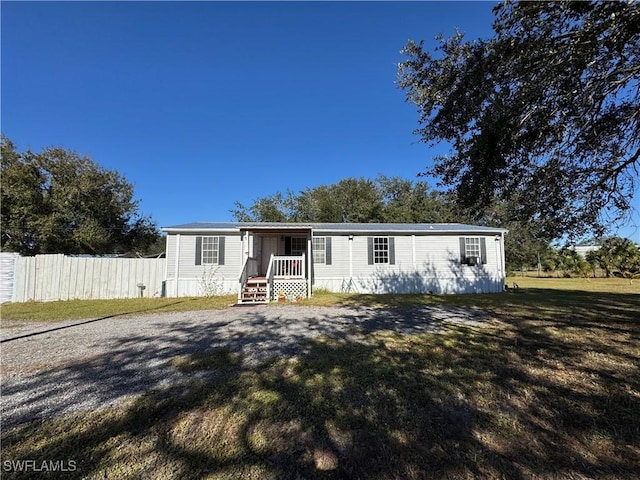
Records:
x=245, y=300
x=250, y=294
x=255, y=291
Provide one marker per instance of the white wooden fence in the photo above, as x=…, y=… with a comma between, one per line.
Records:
x=7, y=271
x=59, y=277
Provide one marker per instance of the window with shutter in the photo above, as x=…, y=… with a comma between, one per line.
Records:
x=473, y=250
x=381, y=250
x=319, y=246
x=210, y=250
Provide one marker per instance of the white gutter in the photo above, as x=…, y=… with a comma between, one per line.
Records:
x=381, y=231
x=195, y=231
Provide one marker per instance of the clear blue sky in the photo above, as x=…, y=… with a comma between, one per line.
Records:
x=202, y=104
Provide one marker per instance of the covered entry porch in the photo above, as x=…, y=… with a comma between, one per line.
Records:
x=276, y=263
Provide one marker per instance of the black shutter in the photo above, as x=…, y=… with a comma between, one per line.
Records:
x=463, y=256
x=287, y=245
x=327, y=252
x=198, y=251
x=483, y=251
x=221, y=250
x=370, y=250
x=392, y=251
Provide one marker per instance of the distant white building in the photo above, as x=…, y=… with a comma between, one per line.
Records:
x=582, y=250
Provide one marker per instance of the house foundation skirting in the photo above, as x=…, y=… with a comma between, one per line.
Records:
x=197, y=287
x=412, y=282
x=292, y=289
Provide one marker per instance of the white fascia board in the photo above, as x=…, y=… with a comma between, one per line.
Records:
x=418, y=232
x=235, y=230
x=275, y=228
x=195, y=231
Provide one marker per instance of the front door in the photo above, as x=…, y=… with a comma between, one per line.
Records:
x=269, y=247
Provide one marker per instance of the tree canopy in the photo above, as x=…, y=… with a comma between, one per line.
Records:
x=393, y=200
x=545, y=114
x=57, y=201
x=355, y=200
x=617, y=256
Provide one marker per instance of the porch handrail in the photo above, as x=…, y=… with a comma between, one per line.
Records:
x=244, y=276
x=288, y=266
x=269, y=277
x=284, y=266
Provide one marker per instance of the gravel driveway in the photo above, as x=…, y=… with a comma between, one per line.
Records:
x=52, y=369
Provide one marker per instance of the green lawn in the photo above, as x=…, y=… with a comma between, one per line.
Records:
x=548, y=388
x=80, y=309
x=613, y=285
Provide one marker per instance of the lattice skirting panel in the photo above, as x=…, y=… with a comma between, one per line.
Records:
x=292, y=289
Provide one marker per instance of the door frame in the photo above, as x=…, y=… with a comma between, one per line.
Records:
x=270, y=245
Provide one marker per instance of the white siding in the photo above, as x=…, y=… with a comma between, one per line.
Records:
x=435, y=267
x=423, y=263
x=171, y=256
x=334, y=277
x=339, y=267
x=195, y=287
x=196, y=280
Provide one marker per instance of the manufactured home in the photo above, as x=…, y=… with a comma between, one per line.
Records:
x=262, y=262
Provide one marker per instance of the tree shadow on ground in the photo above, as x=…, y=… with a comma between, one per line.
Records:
x=450, y=277
x=552, y=390
x=137, y=363
x=40, y=330
x=345, y=410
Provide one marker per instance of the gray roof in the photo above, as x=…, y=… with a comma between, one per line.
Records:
x=343, y=228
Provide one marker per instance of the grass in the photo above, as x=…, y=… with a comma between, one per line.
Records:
x=548, y=388
x=617, y=285
x=557, y=288
x=80, y=309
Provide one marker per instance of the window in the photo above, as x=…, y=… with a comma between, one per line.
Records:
x=209, y=250
x=473, y=251
x=295, y=245
x=381, y=250
x=472, y=247
x=319, y=250
x=298, y=245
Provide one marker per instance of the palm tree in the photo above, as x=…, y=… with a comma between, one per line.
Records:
x=618, y=255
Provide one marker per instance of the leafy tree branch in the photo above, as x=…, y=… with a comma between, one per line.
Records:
x=546, y=111
x=57, y=201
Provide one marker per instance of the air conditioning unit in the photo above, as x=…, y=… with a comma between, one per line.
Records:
x=473, y=261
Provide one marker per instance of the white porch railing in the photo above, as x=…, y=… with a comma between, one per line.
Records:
x=249, y=268
x=280, y=268
x=288, y=266
x=244, y=275
x=287, y=273
x=269, y=278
